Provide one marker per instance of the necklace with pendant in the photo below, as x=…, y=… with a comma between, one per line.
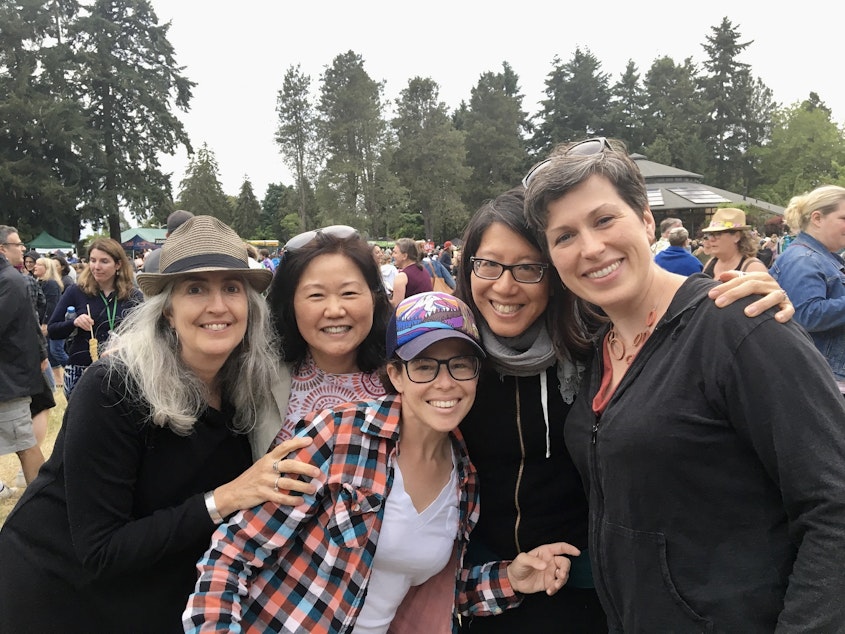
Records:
x=616, y=347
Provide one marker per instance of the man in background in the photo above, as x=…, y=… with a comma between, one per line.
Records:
x=174, y=221
x=22, y=360
x=675, y=258
x=666, y=225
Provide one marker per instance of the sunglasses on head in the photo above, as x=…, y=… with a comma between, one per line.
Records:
x=307, y=237
x=587, y=147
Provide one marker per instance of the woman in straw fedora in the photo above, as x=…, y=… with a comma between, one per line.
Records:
x=731, y=244
x=153, y=453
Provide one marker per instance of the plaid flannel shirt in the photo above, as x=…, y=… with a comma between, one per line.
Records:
x=306, y=568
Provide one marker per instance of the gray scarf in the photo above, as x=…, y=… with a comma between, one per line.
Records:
x=530, y=354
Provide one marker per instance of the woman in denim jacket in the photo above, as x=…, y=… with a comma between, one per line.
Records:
x=813, y=273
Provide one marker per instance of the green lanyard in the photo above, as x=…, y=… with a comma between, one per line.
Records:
x=111, y=311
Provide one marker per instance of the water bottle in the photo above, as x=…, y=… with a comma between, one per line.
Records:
x=70, y=315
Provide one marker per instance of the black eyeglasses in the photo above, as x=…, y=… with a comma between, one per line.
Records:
x=425, y=369
x=529, y=273
x=304, y=239
x=15, y=244
x=587, y=147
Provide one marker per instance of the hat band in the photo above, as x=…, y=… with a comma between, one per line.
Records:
x=206, y=260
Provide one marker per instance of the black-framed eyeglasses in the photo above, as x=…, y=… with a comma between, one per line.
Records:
x=305, y=238
x=425, y=369
x=15, y=244
x=527, y=273
x=588, y=147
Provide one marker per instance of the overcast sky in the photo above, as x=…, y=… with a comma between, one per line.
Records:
x=238, y=52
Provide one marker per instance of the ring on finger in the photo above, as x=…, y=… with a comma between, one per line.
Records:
x=785, y=296
x=276, y=484
x=276, y=465
x=741, y=274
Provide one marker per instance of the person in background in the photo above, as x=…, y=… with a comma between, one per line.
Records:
x=386, y=531
x=445, y=257
x=676, y=258
x=102, y=298
x=65, y=271
x=47, y=272
x=666, y=225
x=712, y=508
x=434, y=268
x=22, y=359
x=731, y=245
x=153, y=451
x=29, y=262
x=330, y=309
x=175, y=220
x=266, y=262
x=252, y=254
x=813, y=273
x=412, y=278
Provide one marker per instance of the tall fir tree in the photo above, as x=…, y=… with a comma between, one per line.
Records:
x=627, y=109
x=494, y=124
x=128, y=81
x=246, y=214
x=430, y=158
x=297, y=131
x=201, y=191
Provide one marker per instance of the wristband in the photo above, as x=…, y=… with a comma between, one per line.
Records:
x=211, y=507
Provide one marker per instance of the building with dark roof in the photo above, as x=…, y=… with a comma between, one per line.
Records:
x=677, y=193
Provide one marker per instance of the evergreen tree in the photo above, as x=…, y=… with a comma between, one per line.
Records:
x=352, y=133
x=429, y=158
x=44, y=137
x=493, y=124
x=627, y=110
x=126, y=79
x=673, y=115
x=247, y=212
x=577, y=104
x=296, y=134
x=201, y=191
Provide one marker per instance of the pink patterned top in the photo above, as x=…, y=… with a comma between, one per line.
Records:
x=312, y=389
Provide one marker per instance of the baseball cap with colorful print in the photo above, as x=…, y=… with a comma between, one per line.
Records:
x=426, y=318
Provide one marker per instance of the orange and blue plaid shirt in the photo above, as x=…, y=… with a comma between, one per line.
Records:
x=306, y=568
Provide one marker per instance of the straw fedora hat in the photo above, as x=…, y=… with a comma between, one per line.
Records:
x=203, y=244
x=727, y=219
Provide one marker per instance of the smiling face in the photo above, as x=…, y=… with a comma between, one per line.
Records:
x=599, y=245
x=103, y=268
x=209, y=313
x=509, y=307
x=443, y=403
x=334, y=311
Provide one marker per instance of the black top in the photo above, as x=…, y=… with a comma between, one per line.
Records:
x=106, y=539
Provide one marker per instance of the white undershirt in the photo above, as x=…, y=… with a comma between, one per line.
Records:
x=412, y=548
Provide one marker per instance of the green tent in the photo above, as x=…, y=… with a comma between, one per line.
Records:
x=46, y=242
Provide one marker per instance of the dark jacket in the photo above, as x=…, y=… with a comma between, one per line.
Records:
x=716, y=477
x=531, y=494
x=59, y=328
x=112, y=527
x=20, y=347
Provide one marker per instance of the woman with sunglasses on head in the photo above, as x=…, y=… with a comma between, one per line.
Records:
x=716, y=490
x=330, y=308
x=103, y=296
x=381, y=543
x=153, y=451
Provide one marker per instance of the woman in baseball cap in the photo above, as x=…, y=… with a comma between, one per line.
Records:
x=387, y=529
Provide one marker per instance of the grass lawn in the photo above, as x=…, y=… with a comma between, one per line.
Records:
x=10, y=465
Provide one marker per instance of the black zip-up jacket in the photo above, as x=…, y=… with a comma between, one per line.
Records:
x=716, y=477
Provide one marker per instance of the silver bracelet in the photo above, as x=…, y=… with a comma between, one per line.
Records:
x=211, y=507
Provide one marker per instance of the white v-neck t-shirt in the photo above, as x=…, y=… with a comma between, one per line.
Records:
x=412, y=548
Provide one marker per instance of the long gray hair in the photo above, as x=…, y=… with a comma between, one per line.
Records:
x=144, y=352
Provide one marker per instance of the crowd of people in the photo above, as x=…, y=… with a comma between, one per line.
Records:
x=547, y=429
